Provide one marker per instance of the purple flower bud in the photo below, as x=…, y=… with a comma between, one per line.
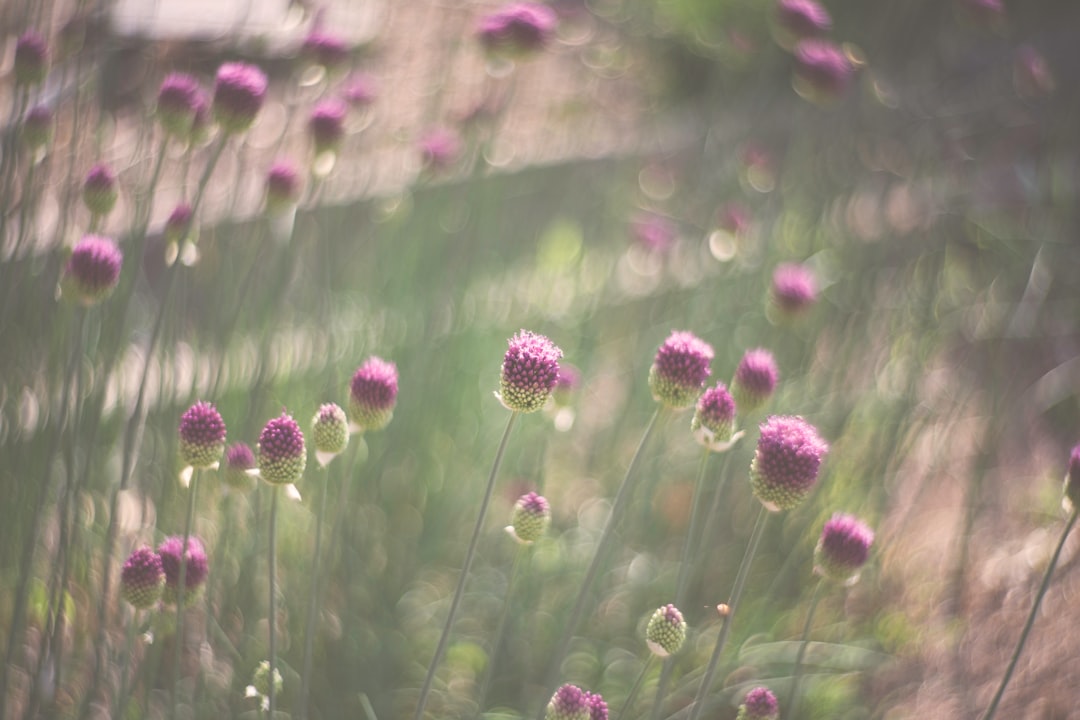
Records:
x=529, y=371
x=239, y=458
x=530, y=518
x=759, y=704
x=239, y=92
x=327, y=125
x=653, y=232
x=786, y=463
x=1072, y=481
x=360, y=90
x=713, y=423
x=179, y=99
x=93, y=270
x=373, y=394
x=1031, y=73
x=330, y=428
x=322, y=48
x=681, y=367
x=440, y=148
x=142, y=578
x=178, y=225
x=282, y=454
x=843, y=549
x=598, y=709
x=566, y=384
x=793, y=288
x=755, y=379
x=568, y=703
x=666, y=631
x=517, y=30
x=37, y=127
x=195, y=571
x=31, y=59
x=202, y=435
x=802, y=18
x=823, y=71
x=99, y=192
x=282, y=187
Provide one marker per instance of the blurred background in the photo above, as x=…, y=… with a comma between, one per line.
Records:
x=647, y=170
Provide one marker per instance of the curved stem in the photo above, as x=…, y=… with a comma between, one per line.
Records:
x=733, y=602
x=793, y=698
x=992, y=710
x=181, y=588
x=271, y=616
x=635, y=688
x=313, y=602
x=441, y=647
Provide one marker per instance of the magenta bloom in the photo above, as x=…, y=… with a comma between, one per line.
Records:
x=793, y=288
x=99, y=192
x=330, y=428
x=195, y=571
x=517, y=30
x=239, y=92
x=373, y=394
x=568, y=703
x=282, y=453
x=530, y=518
x=360, y=90
x=653, y=232
x=37, y=127
x=93, y=270
x=239, y=458
x=178, y=101
x=529, y=371
x=178, y=224
x=598, y=709
x=786, y=463
x=1072, y=480
x=31, y=59
x=713, y=423
x=566, y=384
x=142, y=578
x=755, y=379
x=440, y=148
x=327, y=125
x=282, y=186
x=823, y=72
x=322, y=48
x=802, y=18
x=666, y=631
x=681, y=367
x=759, y=704
x=202, y=436
x=843, y=549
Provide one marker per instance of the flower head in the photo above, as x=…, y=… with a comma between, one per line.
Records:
x=517, y=30
x=666, y=631
x=568, y=703
x=759, y=704
x=202, y=435
x=786, y=463
x=239, y=458
x=260, y=680
x=282, y=186
x=360, y=90
x=794, y=288
x=1072, y=481
x=755, y=379
x=31, y=59
x=282, y=454
x=327, y=125
x=195, y=571
x=823, y=71
x=843, y=549
x=142, y=578
x=330, y=428
x=322, y=48
x=178, y=225
x=530, y=518
x=239, y=92
x=802, y=18
x=440, y=148
x=681, y=367
x=566, y=384
x=373, y=394
x=93, y=270
x=179, y=99
x=598, y=709
x=713, y=423
x=99, y=190
x=529, y=371
x=37, y=127
x=653, y=232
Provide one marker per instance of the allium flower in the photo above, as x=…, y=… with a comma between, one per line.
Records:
x=713, y=423
x=195, y=571
x=759, y=704
x=755, y=379
x=666, y=631
x=566, y=384
x=843, y=549
x=529, y=371
x=322, y=48
x=93, y=270
x=99, y=190
x=1072, y=481
x=372, y=394
x=653, y=232
x=330, y=428
x=142, y=579
x=239, y=92
x=568, y=703
x=598, y=709
x=37, y=127
x=794, y=288
x=179, y=99
x=31, y=59
x=239, y=459
x=802, y=18
x=517, y=30
x=282, y=187
x=360, y=90
x=178, y=224
x=327, y=125
x=440, y=148
x=786, y=463
x=282, y=455
x=823, y=71
x=530, y=518
x=1031, y=73
x=681, y=367
x=202, y=436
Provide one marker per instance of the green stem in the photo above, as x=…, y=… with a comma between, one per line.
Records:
x=313, y=602
x=790, y=709
x=733, y=602
x=992, y=710
x=181, y=588
x=125, y=666
x=500, y=630
x=272, y=613
x=425, y=690
x=636, y=687
x=622, y=498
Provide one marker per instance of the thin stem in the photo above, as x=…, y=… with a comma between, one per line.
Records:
x=500, y=630
x=992, y=710
x=636, y=687
x=622, y=498
x=271, y=619
x=125, y=666
x=445, y=637
x=732, y=604
x=181, y=587
x=313, y=602
x=790, y=709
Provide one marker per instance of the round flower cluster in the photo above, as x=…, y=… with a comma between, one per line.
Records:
x=802, y=18
x=31, y=59
x=239, y=459
x=517, y=30
x=196, y=567
x=142, y=578
x=322, y=48
x=759, y=704
x=202, y=436
x=239, y=92
x=530, y=370
x=843, y=549
x=37, y=127
x=282, y=454
x=179, y=101
x=530, y=518
x=713, y=423
x=793, y=288
x=373, y=394
x=823, y=71
x=93, y=270
x=666, y=631
x=755, y=379
x=786, y=463
x=282, y=187
x=681, y=367
x=99, y=192
x=327, y=125
x=330, y=429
